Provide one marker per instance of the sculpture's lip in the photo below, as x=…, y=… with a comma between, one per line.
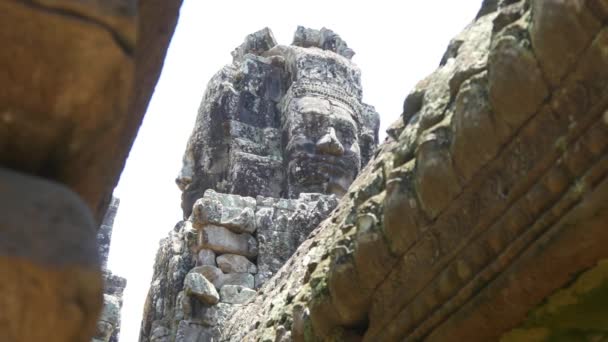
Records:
x=346, y=163
x=329, y=174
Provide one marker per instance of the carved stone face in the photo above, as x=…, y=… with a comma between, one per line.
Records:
x=322, y=148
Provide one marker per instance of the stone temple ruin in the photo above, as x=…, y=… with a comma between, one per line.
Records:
x=481, y=217
x=280, y=135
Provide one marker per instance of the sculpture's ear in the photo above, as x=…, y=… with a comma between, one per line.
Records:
x=368, y=133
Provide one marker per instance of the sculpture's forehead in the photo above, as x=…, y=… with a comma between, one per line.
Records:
x=318, y=105
x=312, y=104
x=314, y=63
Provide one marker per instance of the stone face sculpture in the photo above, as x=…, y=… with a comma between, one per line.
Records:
x=322, y=151
x=280, y=134
x=321, y=121
x=280, y=121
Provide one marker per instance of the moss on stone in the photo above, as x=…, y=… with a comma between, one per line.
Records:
x=576, y=313
x=309, y=333
x=318, y=281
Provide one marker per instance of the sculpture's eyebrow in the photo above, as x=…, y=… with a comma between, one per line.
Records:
x=345, y=122
x=332, y=119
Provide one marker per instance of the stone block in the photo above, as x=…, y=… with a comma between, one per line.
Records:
x=111, y=309
x=476, y=137
x=515, y=82
x=104, y=234
x=403, y=217
x=255, y=43
x=201, y=288
x=160, y=334
x=559, y=25
x=240, y=279
x=324, y=39
x=232, y=263
x=236, y=294
x=222, y=240
x=183, y=306
x=205, y=257
x=435, y=180
x=231, y=211
x=212, y=273
x=104, y=332
x=219, y=279
x=254, y=175
x=188, y=331
x=217, y=314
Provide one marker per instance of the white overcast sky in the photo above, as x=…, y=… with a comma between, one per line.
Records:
x=397, y=43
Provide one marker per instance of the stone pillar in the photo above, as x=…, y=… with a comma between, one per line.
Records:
x=76, y=79
x=108, y=325
x=104, y=234
x=50, y=275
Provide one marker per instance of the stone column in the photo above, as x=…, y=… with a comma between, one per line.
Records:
x=50, y=275
x=108, y=325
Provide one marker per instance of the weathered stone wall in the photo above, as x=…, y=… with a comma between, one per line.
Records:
x=488, y=196
x=108, y=325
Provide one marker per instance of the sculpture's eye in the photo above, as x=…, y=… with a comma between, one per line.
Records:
x=345, y=131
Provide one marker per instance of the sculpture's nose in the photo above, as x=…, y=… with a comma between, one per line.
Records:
x=329, y=144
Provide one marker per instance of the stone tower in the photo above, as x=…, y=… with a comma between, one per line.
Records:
x=280, y=135
x=108, y=325
x=280, y=121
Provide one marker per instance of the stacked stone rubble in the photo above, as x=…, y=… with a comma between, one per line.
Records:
x=108, y=325
x=214, y=262
x=173, y=261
